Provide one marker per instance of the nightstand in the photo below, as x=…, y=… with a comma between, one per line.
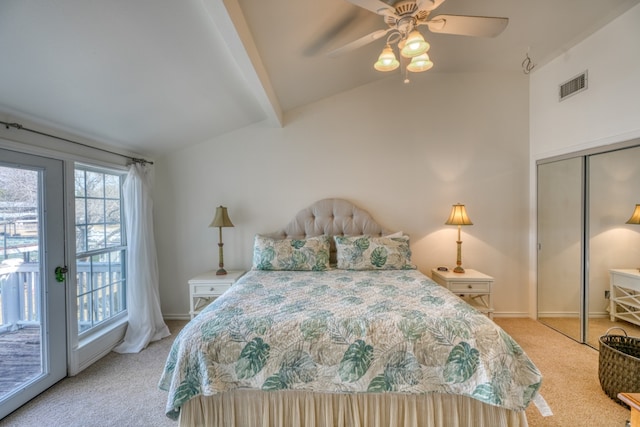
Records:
x=625, y=295
x=472, y=286
x=206, y=287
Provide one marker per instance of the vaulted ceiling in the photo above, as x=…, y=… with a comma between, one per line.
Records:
x=152, y=76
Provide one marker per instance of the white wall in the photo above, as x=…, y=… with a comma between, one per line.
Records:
x=405, y=153
x=607, y=112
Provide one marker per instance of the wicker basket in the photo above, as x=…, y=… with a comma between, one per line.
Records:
x=619, y=364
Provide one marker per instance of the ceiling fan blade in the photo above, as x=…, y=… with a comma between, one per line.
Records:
x=375, y=6
x=428, y=5
x=477, y=26
x=332, y=32
x=360, y=42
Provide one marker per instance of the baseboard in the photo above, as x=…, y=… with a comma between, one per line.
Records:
x=512, y=314
x=176, y=316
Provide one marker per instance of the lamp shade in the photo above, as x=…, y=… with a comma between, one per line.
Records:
x=458, y=216
x=415, y=45
x=221, y=219
x=387, y=60
x=420, y=63
x=635, y=216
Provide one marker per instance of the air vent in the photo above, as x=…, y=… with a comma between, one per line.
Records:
x=573, y=86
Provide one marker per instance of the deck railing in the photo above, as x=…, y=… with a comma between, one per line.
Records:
x=20, y=294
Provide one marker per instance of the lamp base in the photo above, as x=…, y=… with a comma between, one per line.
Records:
x=458, y=269
x=221, y=272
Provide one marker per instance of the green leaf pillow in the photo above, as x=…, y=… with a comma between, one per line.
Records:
x=310, y=254
x=373, y=253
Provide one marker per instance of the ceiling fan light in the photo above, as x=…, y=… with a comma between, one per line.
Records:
x=420, y=63
x=387, y=60
x=414, y=45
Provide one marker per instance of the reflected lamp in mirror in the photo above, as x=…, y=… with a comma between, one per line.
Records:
x=220, y=220
x=635, y=216
x=458, y=217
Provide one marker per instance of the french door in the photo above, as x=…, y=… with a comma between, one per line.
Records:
x=33, y=331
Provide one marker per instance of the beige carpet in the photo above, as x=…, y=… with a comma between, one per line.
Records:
x=570, y=382
x=121, y=390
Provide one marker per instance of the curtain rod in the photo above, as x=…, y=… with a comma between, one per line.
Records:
x=20, y=127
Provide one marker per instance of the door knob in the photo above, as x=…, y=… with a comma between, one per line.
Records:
x=60, y=272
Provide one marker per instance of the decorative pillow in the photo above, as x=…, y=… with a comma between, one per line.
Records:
x=373, y=253
x=311, y=253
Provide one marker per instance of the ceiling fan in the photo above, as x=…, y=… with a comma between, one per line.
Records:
x=404, y=18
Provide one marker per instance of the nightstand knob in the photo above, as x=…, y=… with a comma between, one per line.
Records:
x=211, y=289
x=470, y=287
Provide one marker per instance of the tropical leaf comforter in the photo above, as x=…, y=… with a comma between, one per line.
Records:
x=343, y=331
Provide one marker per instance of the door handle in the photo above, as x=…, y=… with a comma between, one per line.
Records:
x=60, y=272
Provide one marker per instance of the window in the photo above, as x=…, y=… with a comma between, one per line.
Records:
x=100, y=246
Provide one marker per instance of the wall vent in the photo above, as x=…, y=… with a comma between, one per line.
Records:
x=576, y=85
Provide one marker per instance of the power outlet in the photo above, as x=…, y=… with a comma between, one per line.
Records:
x=607, y=294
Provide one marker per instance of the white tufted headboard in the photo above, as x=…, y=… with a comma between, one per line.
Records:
x=333, y=217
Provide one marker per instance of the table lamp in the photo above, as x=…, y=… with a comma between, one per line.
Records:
x=635, y=218
x=458, y=217
x=221, y=219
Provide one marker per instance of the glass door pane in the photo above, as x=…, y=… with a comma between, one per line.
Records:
x=32, y=303
x=560, y=249
x=20, y=343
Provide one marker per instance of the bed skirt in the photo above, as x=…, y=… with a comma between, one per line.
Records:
x=254, y=408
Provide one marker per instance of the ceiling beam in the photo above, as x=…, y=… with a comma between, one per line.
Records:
x=230, y=22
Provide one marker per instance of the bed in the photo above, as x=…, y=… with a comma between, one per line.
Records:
x=334, y=326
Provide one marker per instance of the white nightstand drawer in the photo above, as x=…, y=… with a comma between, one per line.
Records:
x=469, y=287
x=625, y=281
x=472, y=285
x=217, y=289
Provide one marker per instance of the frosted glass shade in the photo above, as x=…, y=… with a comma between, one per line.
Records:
x=414, y=45
x=387, y=60
x=420, y=63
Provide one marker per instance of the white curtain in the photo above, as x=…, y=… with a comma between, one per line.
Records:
x=143, y=298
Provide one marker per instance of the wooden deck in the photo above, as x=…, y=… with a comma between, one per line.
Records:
x=19, y=358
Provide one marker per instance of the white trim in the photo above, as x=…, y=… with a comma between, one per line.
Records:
x=598, y=143
x=511, y=314
x=93, y=348
x=176, y=316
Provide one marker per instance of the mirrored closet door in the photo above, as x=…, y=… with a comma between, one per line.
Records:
x=614, y=190
x=584, y=201
x=560, y=245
